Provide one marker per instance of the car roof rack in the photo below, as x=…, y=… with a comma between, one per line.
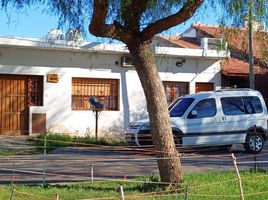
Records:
x=235, y=89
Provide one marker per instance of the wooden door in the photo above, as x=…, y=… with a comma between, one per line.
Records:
x=202, y=87
x=13, y=105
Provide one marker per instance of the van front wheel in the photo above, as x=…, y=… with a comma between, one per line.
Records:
x=254, y=143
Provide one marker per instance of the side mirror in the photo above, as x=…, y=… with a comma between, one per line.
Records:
x=192, y=114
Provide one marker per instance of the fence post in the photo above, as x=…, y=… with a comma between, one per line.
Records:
x=186, y=192
x=57, y=197
x=44, y=158
x=12, y=194
x=122, y=193
x=92, y=172
x=13, y=173
x=238, y=177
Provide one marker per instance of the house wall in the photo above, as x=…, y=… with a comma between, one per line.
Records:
x=68, y=64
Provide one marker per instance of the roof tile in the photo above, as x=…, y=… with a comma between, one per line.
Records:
x=238, y=42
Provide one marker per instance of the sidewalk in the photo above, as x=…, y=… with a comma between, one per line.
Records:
x=14, y=142
x=21, y=142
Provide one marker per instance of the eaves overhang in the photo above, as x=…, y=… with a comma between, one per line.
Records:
x=191, y=53
x=59, y=45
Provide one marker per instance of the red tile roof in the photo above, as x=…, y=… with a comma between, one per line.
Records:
x=237, y=67
x=238, y=41
x=237, y=38
x=183, y=42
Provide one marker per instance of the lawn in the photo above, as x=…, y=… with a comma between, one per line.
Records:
x=54, y=141
x=6, y=152
x=206, y=185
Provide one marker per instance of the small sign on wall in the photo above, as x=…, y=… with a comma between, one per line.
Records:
x=52, y=78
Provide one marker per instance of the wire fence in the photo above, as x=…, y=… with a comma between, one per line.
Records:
x=99, y=163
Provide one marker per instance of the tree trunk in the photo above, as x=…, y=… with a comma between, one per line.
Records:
x=170, y=168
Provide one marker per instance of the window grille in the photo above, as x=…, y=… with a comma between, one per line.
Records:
x=105, y=90
x=174, y=90
x=35, y=90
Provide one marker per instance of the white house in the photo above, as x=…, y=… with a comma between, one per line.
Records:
x=46, y=84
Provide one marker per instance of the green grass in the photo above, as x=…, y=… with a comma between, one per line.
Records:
x=7, y=152
x=201, y=186
x=65, y=140
x=12, y=152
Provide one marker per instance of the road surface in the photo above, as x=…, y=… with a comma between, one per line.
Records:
x=77, y=164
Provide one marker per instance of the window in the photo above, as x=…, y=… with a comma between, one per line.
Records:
x=252, y=105
x=35, y=90
x=104, y=90
x=232, y=106
x=204, y=108
x=175, y=90
x=182, y=105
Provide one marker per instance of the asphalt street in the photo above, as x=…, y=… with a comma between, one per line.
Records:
x=85, y=163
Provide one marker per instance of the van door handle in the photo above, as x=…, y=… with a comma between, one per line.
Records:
x=223, y=118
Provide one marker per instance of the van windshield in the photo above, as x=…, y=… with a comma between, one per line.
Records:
x=178, y=108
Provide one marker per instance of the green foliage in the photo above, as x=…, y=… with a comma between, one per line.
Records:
x=78, y=13
x=150, y=184
x=7, y=152
x=237, y=11
x=65, y=140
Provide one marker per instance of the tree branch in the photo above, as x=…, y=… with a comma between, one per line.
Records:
x=98, y=26
x=182, y=15
x=138, y=7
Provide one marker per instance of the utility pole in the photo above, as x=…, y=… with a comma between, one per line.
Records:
x=250, y=45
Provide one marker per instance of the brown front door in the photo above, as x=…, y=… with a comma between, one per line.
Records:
x=13, y=105
x=202, y=87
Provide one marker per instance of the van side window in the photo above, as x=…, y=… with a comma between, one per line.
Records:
x=232, y=106
x=252, y=105
x=204, y=108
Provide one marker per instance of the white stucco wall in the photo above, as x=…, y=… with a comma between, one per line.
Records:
x=68, y=64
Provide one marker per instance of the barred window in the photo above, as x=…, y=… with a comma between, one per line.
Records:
x=104, y=90
x=35, y=90
x=174, y=90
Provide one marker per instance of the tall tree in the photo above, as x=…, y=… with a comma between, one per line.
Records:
x=138, y=39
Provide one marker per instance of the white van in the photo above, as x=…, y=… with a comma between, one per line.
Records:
x=219, y=118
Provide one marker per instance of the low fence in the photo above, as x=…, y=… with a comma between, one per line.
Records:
x=98, y=163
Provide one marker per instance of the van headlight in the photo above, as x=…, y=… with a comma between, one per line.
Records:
x=134, y=125
x=145, y=127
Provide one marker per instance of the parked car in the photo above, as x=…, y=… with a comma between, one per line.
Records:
x=218, y=118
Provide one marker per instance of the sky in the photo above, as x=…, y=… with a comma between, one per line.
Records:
x=36, y=24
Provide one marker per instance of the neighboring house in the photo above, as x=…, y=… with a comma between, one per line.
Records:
x=235, y=69
x=45, y=85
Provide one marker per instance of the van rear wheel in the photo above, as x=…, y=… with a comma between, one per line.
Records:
x=254, y=143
